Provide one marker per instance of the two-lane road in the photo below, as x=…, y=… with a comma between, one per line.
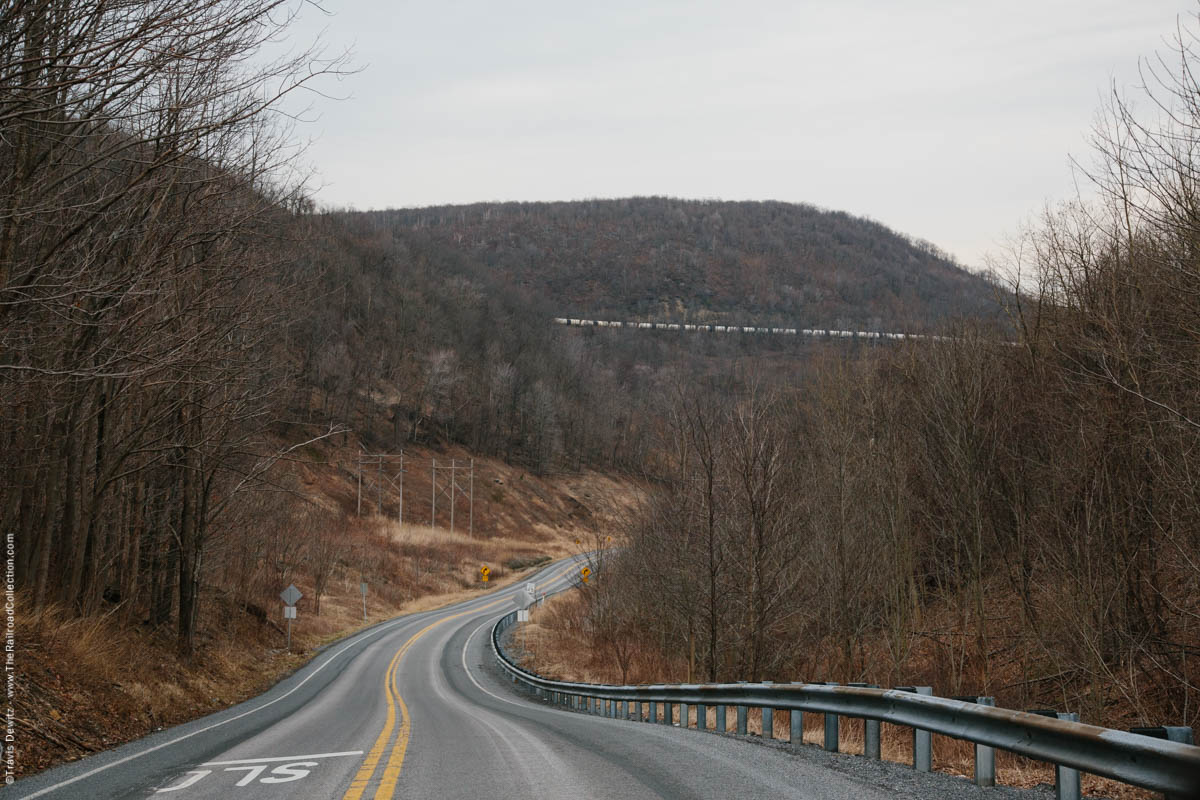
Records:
x=413, y=708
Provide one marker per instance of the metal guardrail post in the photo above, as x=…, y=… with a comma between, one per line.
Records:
x=796, y=736
x=831, y=726
x=872, y=747
x=666, y=720
x=1171, y=767
x=701, y=716
x=721, y=726
x=1172, y=733
x=742, y=715
x=985, y=757
x=922, y=740
x=768, y=719
x=1066, y=779
x=685, y=713
x=653, y=712
x=871, y=742
x=1181, y=734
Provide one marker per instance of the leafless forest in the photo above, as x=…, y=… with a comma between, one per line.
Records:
x=1019, y=519
x=1013, y=511
x=147, y=217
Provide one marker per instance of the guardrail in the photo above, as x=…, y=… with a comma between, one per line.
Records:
x=1159, y=764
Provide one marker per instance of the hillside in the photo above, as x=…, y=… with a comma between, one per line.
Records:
x=660, y=257
x=435, y=324
x=89, y=683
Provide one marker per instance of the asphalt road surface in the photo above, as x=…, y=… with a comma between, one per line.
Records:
x=414, y=708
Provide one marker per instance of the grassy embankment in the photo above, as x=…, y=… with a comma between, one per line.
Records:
x=90, y=683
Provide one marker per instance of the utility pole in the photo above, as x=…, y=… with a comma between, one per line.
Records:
x=400, y=514
x=471, y=505
x=433, y=495
x=453, y=494
x=359, y=512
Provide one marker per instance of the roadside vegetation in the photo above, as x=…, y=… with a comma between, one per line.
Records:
x=1018, y=519
x=192, y=357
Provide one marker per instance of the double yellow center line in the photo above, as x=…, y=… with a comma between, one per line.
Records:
x=395, y=703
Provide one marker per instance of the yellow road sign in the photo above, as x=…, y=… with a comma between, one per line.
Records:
x=584, y=573
x=484, y=572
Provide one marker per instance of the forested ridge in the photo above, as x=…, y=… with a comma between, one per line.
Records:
x=182, y=330
x=667, y=258
x=180, y=323
x=445, y=312
x=990, y=517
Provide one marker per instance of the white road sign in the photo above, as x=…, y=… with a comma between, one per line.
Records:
x=290, y=595
x=526, y=597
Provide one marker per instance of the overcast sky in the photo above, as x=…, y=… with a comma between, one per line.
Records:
x=949, y=120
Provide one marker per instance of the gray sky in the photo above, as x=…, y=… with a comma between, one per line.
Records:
x=949, y=120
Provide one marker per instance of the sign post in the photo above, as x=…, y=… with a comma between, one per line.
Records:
x=289, y=596
x=524, y=599
x=363, y=588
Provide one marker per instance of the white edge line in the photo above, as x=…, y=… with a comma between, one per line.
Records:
x=471, y=677
x=128, y=758
x=281, y=758
x=147, y=751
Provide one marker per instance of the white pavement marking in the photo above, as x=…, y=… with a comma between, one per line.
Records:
x=471, y=677
x=542, y=770
x=283, y=758
x=178, y=739
x=467, y=669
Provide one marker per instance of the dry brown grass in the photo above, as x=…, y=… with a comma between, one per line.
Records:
x=87, y=684
x=558, y=647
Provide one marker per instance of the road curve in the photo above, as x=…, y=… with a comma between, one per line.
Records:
x=414, y=708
